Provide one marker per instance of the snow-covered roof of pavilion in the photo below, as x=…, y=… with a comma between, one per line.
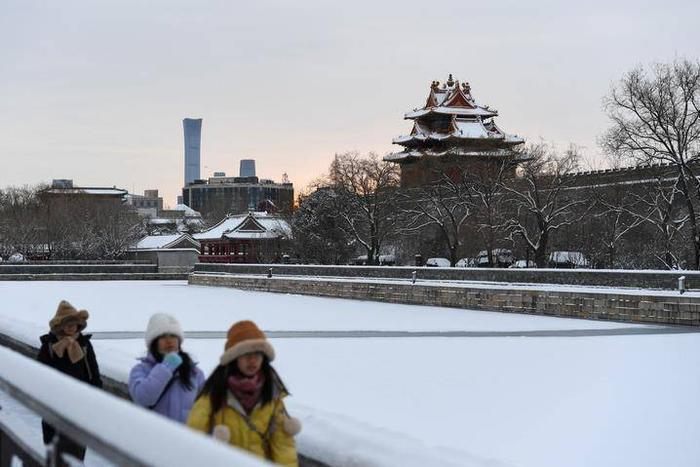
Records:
x=153, y=242
x=459, y=129
x=451, y=98
x=451, y=122
x=415, y=154
x=253, y=225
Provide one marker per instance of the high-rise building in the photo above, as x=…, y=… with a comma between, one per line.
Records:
x=247, y=168
x=193, y=141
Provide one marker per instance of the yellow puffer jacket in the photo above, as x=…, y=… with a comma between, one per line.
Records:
x=271, y=423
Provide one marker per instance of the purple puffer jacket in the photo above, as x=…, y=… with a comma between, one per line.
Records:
x=147, y=381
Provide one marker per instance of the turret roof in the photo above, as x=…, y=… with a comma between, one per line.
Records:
x=451, y=98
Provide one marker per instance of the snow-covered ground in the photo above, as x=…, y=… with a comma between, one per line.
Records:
x=127, y=305
x=499, y=401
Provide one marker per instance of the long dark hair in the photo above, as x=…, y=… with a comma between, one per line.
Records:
x=184, y=371
x=217, y=384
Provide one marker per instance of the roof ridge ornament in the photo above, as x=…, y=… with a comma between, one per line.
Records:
x=450, y=81
x=467, y=89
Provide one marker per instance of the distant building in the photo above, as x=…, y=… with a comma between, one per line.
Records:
x=255, y=237
x=220, y=195
x=63, y=191
x=193, y=140
x=148, y=205
x=172, y=253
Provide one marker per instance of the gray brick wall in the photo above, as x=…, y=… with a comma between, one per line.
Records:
x=676, y=310
x=611, y=278
x=6, y=269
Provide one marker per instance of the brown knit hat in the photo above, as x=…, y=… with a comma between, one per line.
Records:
x=65, y=314
x=245, y=337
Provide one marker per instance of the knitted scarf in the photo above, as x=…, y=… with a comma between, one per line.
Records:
x=66, y=343
x=247, y=391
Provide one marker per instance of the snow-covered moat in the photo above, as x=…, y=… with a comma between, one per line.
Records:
x=472, y=388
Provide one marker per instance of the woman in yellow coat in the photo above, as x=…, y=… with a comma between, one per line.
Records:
x=241, y=402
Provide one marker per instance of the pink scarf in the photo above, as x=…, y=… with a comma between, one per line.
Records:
x=247, y=390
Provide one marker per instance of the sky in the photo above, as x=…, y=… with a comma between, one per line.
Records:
x=96, y=90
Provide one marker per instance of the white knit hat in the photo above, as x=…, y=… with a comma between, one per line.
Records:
x=162, y=323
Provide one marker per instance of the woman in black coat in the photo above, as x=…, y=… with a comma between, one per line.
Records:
x=69, y=351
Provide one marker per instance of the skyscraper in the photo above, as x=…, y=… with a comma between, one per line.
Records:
x=193, y=140
x=247, y=168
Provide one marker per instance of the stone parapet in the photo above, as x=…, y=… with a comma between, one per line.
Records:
x=124, y=276
x=605, y=305
x=652, y=279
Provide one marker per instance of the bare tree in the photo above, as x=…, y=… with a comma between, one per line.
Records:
x=21, y=229
x=114, y=228
x=366, y=196
x=659, y=209
x=616, y=219
x=655, y=118
x=318, y=237
x=445, y=205
x=489, y=205
x=539, y=199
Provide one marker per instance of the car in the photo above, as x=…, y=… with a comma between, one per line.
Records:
x=466, y=263
x=359, y=261
x=501, y=256
x=522, y=264
x=568, y=260
x=438, y=263
x=16, y=258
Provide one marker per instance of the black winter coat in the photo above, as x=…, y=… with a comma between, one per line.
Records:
x=85, y=370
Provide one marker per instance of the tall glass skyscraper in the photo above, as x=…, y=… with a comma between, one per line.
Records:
x=193, y=142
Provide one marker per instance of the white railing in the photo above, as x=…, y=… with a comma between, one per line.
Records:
x=119, y=431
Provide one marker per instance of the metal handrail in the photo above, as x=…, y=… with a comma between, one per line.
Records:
x=9, y=439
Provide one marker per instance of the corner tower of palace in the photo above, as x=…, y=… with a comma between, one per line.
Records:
x=451, y=134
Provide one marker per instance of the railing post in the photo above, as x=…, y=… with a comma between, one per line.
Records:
x=681, y=284
x=53, y=454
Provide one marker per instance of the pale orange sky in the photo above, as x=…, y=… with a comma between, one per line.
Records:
x=96, y=91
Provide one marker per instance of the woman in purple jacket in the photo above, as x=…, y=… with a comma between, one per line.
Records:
x=166, y=381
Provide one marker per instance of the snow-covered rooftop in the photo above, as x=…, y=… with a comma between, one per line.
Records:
x=188, y=210
x=88, y=191
x=415, y=154
x=217, y=231
x=478, y=112
x=468, y=122
x=151, y=242
x=161, y=221
x=267, y=226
